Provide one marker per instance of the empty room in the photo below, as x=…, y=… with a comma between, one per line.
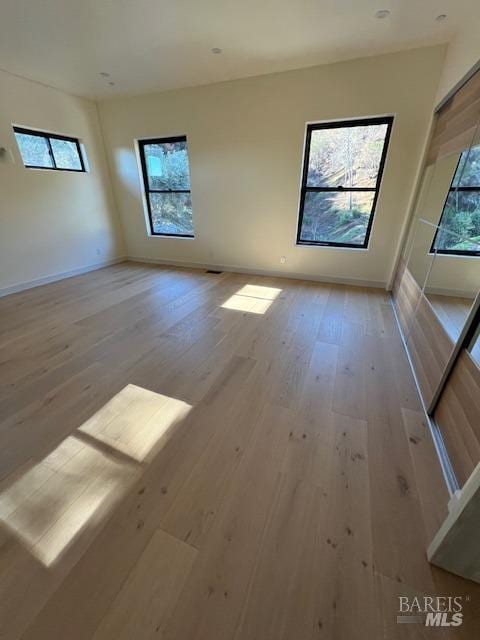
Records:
x=239, y=320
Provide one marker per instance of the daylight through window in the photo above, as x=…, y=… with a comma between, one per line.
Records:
x=342, y=172
x=459, y=232
x=49, y=151
x=166, y=177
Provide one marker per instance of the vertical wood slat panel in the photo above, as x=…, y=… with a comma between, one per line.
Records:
x=458, y=416
x=456, y=122
x=428, y=343
x=429, y=346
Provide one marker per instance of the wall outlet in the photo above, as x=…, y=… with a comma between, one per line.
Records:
x=99, y=253
x=283, y=259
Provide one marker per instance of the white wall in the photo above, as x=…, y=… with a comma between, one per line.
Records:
x=245, y=142
x=52, y=222
x=462, y=54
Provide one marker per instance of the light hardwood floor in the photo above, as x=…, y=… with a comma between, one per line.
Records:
x=195, y=456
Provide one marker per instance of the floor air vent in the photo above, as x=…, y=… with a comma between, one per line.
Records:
x=213, y=271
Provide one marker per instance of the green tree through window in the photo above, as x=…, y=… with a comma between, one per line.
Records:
x=49, y=150
x=341, y=177
x=166, y=177
x=459, y=226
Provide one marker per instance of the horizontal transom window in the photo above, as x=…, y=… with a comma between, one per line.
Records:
x=41, y=150
x=342, y=172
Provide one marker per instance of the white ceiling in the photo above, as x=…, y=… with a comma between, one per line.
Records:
x=161, y=44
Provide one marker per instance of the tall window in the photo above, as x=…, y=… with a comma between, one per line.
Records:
x=49, y=150
x=342, y=171
x=459, y=232
x=166, y=177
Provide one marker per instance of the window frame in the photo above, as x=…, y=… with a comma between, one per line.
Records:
x=453, y=252
x=47, y=136
x=146, y=187
x=304, y=189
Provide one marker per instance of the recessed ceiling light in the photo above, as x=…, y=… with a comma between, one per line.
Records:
x=383, y=13
x=104, y=74
x=441, y=17
x=216, y=50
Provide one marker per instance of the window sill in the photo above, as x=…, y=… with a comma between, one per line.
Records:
x=329, y=246
x=53, y=169
x=452, y=255
x=167, y=237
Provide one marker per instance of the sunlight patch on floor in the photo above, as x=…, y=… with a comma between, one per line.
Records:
x=136, y=421
x=252, y=298
x=77, y=485
x=55, y=500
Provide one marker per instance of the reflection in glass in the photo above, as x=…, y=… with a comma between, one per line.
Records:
x=452, y=311
x=420, y=260
x=461, y=212
x=468, y=170
x=444, y=257
x=460, y=225
x=424, y=206
x=450, y=297
x=336, y=217
x=419, y=265
x=474, y=347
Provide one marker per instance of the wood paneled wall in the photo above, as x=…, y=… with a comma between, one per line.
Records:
x=458, y=412
x=456, y=123
x=429, y=345
x=458, y=416
x=430, y=348
x=406, y=294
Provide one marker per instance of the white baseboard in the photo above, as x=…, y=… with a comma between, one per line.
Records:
x=451, y=293
x=38, y=282
x=261, y=272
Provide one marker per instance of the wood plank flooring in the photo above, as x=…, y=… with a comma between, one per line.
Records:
x=191, y=456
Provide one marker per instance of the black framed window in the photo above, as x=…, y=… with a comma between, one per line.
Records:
x=166, y=178
x=459, y=226
x=342, y=172
x=41, y=150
